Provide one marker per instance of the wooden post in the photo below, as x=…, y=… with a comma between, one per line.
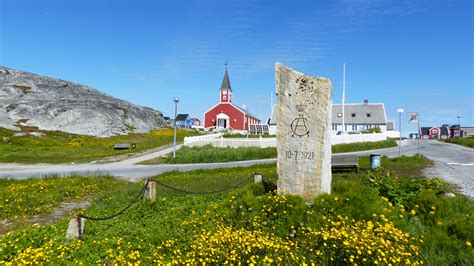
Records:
x=150, y=191
x=257, y=178
x=75, y=228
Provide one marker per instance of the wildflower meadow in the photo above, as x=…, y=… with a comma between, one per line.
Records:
x=371, y=217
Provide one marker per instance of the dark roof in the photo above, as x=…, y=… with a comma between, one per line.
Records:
x=226, y=82
x=182, y=117
x=425, y=130
x=247, y=113
x=373, y=113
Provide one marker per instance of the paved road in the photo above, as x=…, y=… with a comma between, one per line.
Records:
x=126, y=169
x=453, y=163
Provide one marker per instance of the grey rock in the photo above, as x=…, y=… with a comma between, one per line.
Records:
x=37, y=134
x=53, y=104
x=73, y=230
x=303, y=133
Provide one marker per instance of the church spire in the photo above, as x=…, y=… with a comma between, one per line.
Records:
x=226, y=82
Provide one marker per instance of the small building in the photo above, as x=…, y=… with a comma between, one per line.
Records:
x=359, y=117
x=196, y=122
x=226, y=115
x=183, y=120
x=455, y=131
x=444, y=133
x=467, y=132
x=434, y=132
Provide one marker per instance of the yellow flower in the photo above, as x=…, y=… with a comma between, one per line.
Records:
x=413, y=212
x=468, y=244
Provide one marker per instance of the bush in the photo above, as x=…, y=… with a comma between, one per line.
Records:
x=351, y=198
x=401, y=190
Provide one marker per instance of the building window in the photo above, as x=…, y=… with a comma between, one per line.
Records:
x=224, y=92
x=334, y=127
x=339, y=115
x=354, y=127
x=353, y=115
x=368, y=114
x=224, y=97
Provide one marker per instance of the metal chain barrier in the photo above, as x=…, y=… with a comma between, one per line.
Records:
x=140, y=193
x=204, y=192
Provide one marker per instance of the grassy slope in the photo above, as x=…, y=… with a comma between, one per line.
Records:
x=209, y=154
x=467, y=142
x=445, y=223
x=61, y=147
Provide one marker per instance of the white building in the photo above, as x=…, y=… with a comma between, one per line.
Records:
x=357, y=117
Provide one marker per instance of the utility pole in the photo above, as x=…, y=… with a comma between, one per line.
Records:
x=419, y=136
x=400, y=111
x=176, y=101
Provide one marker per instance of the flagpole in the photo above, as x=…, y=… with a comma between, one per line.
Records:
x=419, y=135
x=343, y=93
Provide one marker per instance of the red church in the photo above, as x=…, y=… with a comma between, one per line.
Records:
x=226, y=115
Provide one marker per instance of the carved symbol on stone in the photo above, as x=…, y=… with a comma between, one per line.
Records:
x=298, y=126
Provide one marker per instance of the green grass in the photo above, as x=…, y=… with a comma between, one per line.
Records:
x=60, y=147
x=467, y=142
x=209, y=154
x=168, y=228
x=363, y=146
x=405, y=166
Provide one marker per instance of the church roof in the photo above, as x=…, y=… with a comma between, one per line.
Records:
x=226, y=82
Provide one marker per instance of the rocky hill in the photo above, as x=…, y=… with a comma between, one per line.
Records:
x=28, y=101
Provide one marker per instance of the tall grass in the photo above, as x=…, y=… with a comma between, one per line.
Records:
x=209, y=154
x=467, y=142
x=363, y=146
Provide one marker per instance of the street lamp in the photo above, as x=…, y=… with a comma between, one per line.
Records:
x=400, y=111
x=176, y=101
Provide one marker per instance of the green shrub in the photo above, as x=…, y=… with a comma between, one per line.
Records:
x=401, y=190
x=363, y=146
x=350, y=197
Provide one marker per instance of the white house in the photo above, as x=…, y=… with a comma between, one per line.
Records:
x=357, y=117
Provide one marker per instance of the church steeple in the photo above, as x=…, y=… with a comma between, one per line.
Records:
x=226, y=82
x=226, y=89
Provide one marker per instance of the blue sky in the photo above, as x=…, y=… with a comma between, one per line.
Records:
x=415, y=55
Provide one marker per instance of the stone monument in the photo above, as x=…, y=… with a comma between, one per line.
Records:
x=303, y=133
